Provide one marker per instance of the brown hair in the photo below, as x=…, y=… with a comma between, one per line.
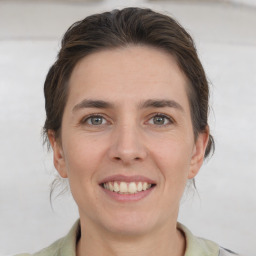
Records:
x=119, y=28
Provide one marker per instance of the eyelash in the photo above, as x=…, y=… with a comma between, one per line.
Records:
x=161, y=115
x=85, y=119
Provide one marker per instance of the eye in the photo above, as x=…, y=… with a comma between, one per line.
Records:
x=160, y=119
x=95, y=120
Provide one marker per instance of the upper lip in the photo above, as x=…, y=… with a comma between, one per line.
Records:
x=134, y=178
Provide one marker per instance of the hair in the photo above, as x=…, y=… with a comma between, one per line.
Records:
x=121, y=28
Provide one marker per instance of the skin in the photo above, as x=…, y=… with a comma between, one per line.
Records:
x=128, y=140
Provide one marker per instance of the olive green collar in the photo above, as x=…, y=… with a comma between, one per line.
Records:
x=198, y=246
x=66, y=246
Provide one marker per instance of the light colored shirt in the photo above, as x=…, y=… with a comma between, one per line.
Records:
x=195, y=246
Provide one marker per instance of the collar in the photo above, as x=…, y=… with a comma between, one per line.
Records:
x=198, y=246
x=195, y=246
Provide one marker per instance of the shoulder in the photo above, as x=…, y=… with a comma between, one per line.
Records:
x=196, y=246
x=65, y=246
x=52, y=250
x=23, y=254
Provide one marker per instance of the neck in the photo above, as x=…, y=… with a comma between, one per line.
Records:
x=167, y=240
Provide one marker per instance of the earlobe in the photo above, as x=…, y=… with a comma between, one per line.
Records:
x=58, y=156
x=198, y=153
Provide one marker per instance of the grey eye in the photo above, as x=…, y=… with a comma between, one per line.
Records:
x=96, y=120
x=160, y=120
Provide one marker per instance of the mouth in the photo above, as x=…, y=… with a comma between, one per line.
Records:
x=123, y=187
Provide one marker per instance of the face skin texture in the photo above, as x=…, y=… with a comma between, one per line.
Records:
x=128, y=114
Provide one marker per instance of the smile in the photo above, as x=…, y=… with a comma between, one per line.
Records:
x=122, y=187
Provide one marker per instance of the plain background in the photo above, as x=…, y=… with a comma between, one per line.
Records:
x=223, y=210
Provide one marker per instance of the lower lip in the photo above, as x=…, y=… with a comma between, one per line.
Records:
x=128, y=197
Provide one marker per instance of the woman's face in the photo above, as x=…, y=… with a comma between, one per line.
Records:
x=127, y=143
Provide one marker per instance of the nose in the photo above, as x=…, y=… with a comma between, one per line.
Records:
x=127, y=145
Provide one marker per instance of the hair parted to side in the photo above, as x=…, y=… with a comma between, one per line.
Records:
x=121, y=28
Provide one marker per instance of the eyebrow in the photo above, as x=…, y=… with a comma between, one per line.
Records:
x=161, y=104
x=101, y=104
x=92, y=104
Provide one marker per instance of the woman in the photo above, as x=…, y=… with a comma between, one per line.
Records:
x=126, y=117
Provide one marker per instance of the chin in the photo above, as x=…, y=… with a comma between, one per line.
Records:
x=130, y=224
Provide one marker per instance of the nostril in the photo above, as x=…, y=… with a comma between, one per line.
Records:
x=119, y=158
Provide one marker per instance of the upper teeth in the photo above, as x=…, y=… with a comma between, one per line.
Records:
x=128, y=188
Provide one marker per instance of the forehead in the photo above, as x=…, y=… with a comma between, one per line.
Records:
x=132, y=71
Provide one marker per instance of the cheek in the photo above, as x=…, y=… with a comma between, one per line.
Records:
x=173, y=150
x=82, y=156
x=82, y=159
x=173, y=159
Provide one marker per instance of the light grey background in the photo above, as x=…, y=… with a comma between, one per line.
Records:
x=30, y=32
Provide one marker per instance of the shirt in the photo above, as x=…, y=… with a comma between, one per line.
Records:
x=195, y=246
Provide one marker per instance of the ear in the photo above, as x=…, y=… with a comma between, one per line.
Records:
x=58, y=156
x=198, y=153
